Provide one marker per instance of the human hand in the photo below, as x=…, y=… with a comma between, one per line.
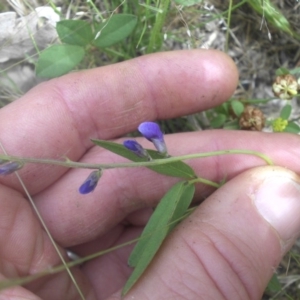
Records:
x=224, y=250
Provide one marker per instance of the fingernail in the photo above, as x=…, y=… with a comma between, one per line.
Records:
x=278, y=201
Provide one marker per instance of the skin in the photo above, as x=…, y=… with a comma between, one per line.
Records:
x=227, y=249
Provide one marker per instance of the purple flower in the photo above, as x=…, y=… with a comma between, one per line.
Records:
x=91, y=182
x=10, y=167
x=136, y=148
x=152, y=132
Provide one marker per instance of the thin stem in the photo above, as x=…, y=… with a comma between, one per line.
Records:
x=72, y=164
x=95, y=9
x=205, y=181
x=48, y=232
x=4, y=284
x=64, y=265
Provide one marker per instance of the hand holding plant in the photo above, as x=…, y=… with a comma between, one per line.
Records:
x=227, y=248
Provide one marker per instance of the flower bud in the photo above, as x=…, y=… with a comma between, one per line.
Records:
x=90, y=183
x=279, y=125
x=136, y=148
x=10, y=167
x=152, y=132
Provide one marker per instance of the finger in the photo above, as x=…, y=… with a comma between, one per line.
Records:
x=25, y=249
x=74, y=218
x=58, y=118
x=232, y=244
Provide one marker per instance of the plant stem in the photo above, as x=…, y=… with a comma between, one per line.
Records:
x=205, y=181
x=4, y=284
x=72, y=164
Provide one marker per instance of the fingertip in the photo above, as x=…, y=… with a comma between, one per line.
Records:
x=227, y=70
x=221, y=76
x=277, y=201
x=256, y=215
x=186, y=81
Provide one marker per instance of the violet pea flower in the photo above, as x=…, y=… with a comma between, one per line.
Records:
x=151, y=131
x=90, y=183
x=136, y=148
x=10, y=167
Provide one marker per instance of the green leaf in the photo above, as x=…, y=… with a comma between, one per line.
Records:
x=292, y=128
x=58, y=60
x=274, y=285
x=187, y=2
x=218, y=121
x=167, y=214
x=295, y=71
x=114, y=30
x=257, y=101
x=175, y=169
x=222, y=109
x=232, y=125
x=282, y=71
x=286, y=112
x=74, y=32
x=225, y=106
x=237, y=107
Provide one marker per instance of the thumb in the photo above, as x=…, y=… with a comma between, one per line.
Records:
x=231, y=245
